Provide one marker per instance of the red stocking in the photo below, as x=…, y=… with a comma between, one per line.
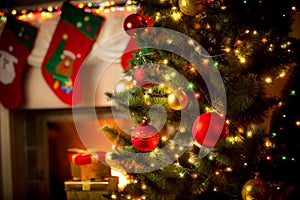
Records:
x=16, y=43
x=72, y=40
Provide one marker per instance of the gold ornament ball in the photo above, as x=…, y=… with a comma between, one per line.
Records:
x=192, y=7
x=123, y=85
x=256, y=189
x=178, y=100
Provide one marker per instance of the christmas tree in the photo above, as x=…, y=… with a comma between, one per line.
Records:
x=196, y=94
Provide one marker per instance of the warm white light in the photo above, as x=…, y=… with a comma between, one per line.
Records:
x=228, y=169
x=268, y=80
x=13, y=12
x=144, y=186
x=227, y=49
x=242, y=60
x=268, y=143
x=249, y=134
x=123, y=177
x=176, y=16
x=282, y=74
x=181, y=129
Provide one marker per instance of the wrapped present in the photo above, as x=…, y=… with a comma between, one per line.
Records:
x=91, y=190
x=88, y=164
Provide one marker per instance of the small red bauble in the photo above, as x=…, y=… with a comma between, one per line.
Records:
x=140, y=80
x=134, y=21
x=208, y=128
x=145, y=137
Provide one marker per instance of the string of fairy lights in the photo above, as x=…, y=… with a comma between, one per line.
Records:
x=52, y=10
x=110, y=6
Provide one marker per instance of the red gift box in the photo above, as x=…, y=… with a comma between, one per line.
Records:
x=88, y=164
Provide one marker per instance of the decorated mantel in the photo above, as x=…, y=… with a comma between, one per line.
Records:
x=62, y=55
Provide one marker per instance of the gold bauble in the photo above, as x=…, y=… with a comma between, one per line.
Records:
x=177, y=100
x=123, y=85
x=256, y=189
x=192, y=7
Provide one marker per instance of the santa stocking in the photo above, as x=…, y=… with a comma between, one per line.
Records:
x=132, y=46
x=16, y=43
x=72, y=40
x=128, y=53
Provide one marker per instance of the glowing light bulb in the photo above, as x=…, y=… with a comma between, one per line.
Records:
x=264, y=40
x=227, y=49
x=176, y=16
x=268, y=80
x=190, y=42
x=293, y=92
x=242, y=60
x=268, y=143
x=249, y=134
x=13, y=12
x=228, y=169
x=239, y=42
x=282, y=74
x=192, y=69
x=190, y=85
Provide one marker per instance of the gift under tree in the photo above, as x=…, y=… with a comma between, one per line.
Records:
x=71, y=42
x=196, y=94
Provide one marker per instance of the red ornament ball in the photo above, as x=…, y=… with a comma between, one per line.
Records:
x=133, y=21
x=140, y=79
x=145, y=137
x=208, y=128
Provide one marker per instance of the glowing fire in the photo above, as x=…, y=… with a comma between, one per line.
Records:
x=124, y=179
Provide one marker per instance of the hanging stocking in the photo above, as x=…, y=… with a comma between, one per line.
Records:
x=71, y=42
x=16, y=43
x=132, y=46
x=127, y=55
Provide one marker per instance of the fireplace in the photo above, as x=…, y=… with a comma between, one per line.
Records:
x=40, y=140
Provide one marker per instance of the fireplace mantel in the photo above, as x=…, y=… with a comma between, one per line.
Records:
x=98, y=74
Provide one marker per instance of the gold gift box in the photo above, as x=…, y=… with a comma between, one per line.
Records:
x=86, y=166
x=91, y=190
